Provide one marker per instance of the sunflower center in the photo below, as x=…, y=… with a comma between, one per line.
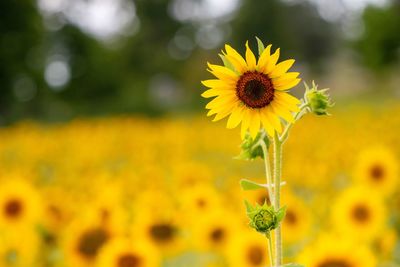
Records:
x=291, y=217
x=13, y=208
x=361, y=213
x=217, y=235
x=377, y=173
x=255, y=89
x=255, y=256
x=162, y=232
x=334, y=263
x=129, y=260
x=91, y=241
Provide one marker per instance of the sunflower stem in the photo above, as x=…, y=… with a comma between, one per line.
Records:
x=267, y=170
x=304, y=108
x=277, y=195
x=270, y=251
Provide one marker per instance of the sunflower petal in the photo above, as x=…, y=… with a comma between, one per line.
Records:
x=235, y=59
x=221, y=101
x=264, y=58
x=250, y=58
x=267, y=124
x=216, y=92
x=270, y=65
x=281, y=68
x=245, y=123
x=287, y=98
x=282, y=111
x=254, y=123
x=222, y=73
x=235, y=118
x=285, y=78
x=288, y=85
x=273, y=119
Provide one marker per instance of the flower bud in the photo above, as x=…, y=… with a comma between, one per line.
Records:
x=263, y=218
x=251, y=148
x=318, y=100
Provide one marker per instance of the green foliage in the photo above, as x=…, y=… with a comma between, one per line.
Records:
x=379, y=44
x=251, y=148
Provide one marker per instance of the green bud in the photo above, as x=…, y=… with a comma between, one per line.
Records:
x=264, y=218
x=318, y=100
x=251, y=148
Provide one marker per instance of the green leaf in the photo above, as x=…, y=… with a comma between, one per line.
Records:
x=250, y=185
x=292, y=265
x=280, y=214
x=260, y=46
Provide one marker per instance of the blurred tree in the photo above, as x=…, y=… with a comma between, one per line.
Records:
x=296, y=28
x=379, y=44
x=21, y=33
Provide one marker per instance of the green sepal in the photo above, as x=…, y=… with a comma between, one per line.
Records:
x=280, y=214
x=260, y=46
x=227, y=63
x=251, y=148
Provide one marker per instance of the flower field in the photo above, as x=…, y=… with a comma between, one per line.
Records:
x=141, y=192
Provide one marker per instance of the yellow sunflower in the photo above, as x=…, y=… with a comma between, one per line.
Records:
x=215, y=230
x=19, y=248
x=360, y=213
x=378, y=169
x=252, y=92
x=248, y=249
x=19, y=203
x=297, y=223
x=83, y=239
x=124, y=252
x=329, y=251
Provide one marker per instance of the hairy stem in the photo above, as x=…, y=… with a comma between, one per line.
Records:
x=277, y=195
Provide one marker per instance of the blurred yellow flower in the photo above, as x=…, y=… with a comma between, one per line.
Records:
x=20, y=204
x=251, y=91
x=83, y=240
x=359, y=212
x=248, y=249
x=330, y=250
x=378, y=169
x=19, y=248
x=297, y=222
x=125, y=252
x=214, y=231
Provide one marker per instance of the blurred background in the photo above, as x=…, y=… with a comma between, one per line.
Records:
x=62, y=59
x=107, y=157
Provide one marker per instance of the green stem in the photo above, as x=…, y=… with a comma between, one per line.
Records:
x=267, y=170
x=277, y=195
x=270, y=251
x=303, y=110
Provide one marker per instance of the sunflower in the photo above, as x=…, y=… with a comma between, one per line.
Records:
x=297, y=222
x=84, y=238
x=124, y=252
x=19, y=248
x=329, y=251
x=20, y=204
x=359, y=212
x=215, y=230
x=252, y=92
x=248, y=249
x=378, y=169
x=158, y=224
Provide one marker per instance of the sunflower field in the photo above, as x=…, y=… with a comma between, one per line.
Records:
x=133, y=191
